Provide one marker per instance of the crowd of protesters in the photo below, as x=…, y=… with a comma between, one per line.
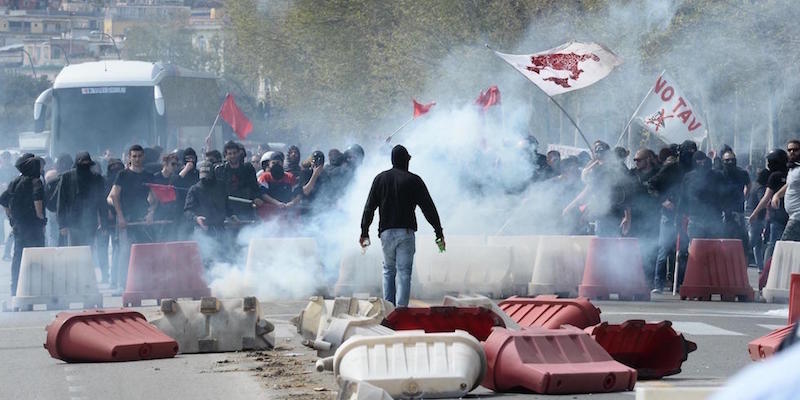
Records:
x=664, y=199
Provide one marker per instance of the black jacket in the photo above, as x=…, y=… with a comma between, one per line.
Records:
x=396, y=193
x=207, y=200
x=80, y=200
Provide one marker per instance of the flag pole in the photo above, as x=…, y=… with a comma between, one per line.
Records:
x=637, y=110
x=569, y=117
x=214, y=125
x=389, y=138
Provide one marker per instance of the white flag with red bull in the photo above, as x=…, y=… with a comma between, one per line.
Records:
x=568, y=67
x=666, y=112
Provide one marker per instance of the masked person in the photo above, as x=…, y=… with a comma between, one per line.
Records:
x=777, y=218
x=396, y=193
x=735, y=185
x=645, y=211
x=167, y=210
x=80, y=205
x=280, y=188
x=187, y=177
x=23, y=201
x=207, y=207
x=318, y=185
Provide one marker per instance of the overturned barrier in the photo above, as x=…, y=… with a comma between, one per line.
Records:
x=785, y=262
x=477, y=321
x=614, y=266
x=106, y=335
x=468, y=266
x=314, y=319
x=523, y=258
x=215, y=325
x=552, y=361
x=355, y=390
x=412, y=364
x=655, y=350
x=339, y=329
x=360, y=272
x=56, y=277
x=548, y=311
x=716, y=266
x=481, y=301
x=559, y=264
x=164, y=270
x=768, y=344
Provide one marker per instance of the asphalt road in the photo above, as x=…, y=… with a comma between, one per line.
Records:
x=721, y=331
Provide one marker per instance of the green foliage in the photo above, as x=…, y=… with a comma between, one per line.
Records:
x=17, y=94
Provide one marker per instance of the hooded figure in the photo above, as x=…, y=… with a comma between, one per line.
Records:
x=206, y=204
x=24, y=203
x=80, y=202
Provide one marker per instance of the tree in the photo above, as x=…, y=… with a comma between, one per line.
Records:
x=17, y=94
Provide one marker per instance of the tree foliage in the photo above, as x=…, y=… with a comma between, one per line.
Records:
x=17, y=94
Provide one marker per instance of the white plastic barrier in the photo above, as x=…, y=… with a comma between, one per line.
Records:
x=353, y=390
x=284, y=268
x=482, y=301
x=343, y=328
x=559, y=265
x=523, y=258
x=360, y=273
x=785, y=262
x=314, y=319
x=56, y=277
x=212, y=325
x=467, y=266
x=413, y=364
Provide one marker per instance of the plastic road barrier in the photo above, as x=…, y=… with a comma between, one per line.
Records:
x=164, y=270
x=548, y=311
x=716, y=266
x=766, y=345
x=614, y=265
x=360, y=273
x=354, y=390
x=523, y=258
x=794, y=298
x=552, y=361
x=56, y=277
x=413, y=364
x=785, y=262
x=342, y=328
x=468, y=266
x=213, y=325
x=482, y=301
x=477, y=321
x=559, y=265
x=313, y=320
x=106, y=335
x=655, y=350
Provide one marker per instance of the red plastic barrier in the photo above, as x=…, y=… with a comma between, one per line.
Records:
x=103, y=335
x=164, y=270
x=477, y=321
x=716, y=266
x=794, y=298
x=552, y=361
x=614, y=265
x=766, y=345
x=548, y=311
x=655, y=350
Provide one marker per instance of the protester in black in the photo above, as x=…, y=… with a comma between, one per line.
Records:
x=757, y=222
x=207, y=207
x=167, y=207
x=239, y=179
x=735, y=185
x=777, y=164
x=645, y=211
x=80, y=204
x=23, y=201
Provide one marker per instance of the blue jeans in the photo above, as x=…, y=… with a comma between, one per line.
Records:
x=398, y=246
x=667, y=236
x=775, y=233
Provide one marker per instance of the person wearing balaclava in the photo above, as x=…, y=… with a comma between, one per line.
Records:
x=396, y=193
x=207, y=207
x=280, y=188
x=700, y=203
x=735, y=185
x=23, y=201
x=777, y=218
x=80, y=203
x=187, y=177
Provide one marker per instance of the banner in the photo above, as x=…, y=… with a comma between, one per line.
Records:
x=666, y=112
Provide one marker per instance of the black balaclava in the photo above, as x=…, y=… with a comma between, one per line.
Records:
x=30, y=166
x=400, y=157
x=686, y=153
x=700, y=156
x=777, y=160
x=83, y=164
x=277, y=172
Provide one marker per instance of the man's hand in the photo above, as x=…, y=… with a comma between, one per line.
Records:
x=363, y=241
x=776, y=201
x=441, y=243
x=201, y=221
x=258, y=202
x=625, y=225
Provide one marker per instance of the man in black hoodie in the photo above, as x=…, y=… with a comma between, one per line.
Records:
x=396, y=193
x=207, y=207
x=23, y=201
x=80, y=202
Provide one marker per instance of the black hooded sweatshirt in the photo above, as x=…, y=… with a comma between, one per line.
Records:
x=396, y=193
x=23, y=191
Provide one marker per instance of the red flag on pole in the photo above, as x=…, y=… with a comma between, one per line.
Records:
x=422, y=109
x=488, y=98
x=235, y=117
x=164, y=193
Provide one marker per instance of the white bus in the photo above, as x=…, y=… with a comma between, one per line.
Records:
x=112, y=104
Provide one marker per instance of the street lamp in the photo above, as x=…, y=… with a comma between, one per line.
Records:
x=64, y=52
x=114, y=42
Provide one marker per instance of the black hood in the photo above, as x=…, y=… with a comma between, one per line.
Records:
x=400, y=157
x=29, y=165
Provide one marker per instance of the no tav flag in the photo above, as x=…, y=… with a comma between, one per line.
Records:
x=666, y=112
x=235, y=117
x=565, y=68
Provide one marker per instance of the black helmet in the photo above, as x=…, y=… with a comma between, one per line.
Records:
x=777, y=160
x=354, y=153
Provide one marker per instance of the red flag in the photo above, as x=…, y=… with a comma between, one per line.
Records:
x=488, y=98
x=422, y=109
x=235, y=117
x=164, y=193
